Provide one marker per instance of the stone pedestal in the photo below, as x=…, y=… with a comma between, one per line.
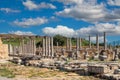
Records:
x=86, y=55
x=103, y=55
x=116, y=53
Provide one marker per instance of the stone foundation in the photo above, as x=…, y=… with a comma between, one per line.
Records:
x=98, y=69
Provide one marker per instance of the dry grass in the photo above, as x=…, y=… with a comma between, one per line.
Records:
x=34, y=73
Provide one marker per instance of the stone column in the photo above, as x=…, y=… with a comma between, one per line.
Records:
x=97, y=42
x=23, y=47
x=46, y=46
x=80, y=43
x=77, y=44
x=20, y=47
x=43, y=47
x=116, y=54
x=49, y=46
x=13, y=49
x=89, y=42
x=70, y=44
x=77, y=48
x=105, y=44
x=67, y=46
x=34, y=47
x=29, y=47
x=52, y=50
x=39, y=49
x=10, y=49
x=31, y=50
x=9, y=46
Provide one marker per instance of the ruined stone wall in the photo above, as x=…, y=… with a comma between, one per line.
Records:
x=98, y=69
x=3, y=50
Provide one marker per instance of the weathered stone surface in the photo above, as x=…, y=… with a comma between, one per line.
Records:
x=103, y=55
x=98, y=69
x=117, y=71
x=3, y=50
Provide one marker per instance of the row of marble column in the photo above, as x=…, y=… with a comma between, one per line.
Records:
x=79, y=43
x=47, y=47
x=97, y=41
x=28, y=48
x=69, y=44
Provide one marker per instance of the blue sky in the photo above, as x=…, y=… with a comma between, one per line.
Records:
x=72, y=18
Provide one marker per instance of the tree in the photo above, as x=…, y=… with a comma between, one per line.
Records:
x=59, y=39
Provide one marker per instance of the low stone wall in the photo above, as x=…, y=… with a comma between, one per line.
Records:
x=3, y=50
x=98, y=69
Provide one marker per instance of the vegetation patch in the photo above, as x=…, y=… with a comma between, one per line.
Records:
x=6, y=73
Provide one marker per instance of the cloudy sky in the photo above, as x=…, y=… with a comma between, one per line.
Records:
x=72, y=18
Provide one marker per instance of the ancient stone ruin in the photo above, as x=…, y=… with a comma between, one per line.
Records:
x=68, y=58
x=3, y=50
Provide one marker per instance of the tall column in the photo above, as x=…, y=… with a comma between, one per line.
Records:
x=20, y=46
x=32, y=50
x=52, y=50
x=49, y=46
x=77, y=44
x=13, y=50
x=39, y=49
x=28, y=47
x=34, y=47
x=31, y=46
x=10, y=49
x=46, y=46
x=67, y=46
x=89, y=42
x=77, y=48
x=43, y=47
x=70, y=44
x=97, y=42
x=23, y=47
x=80, y=43
x=105, y=44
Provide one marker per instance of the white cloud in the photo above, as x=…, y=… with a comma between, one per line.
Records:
x=30, y=22
x=68, y=2
x=21, y=33
x=32, y=6
x=61, y=30
x=110, y=29
x=114, y=2
x=8, y=10
x=87, y=10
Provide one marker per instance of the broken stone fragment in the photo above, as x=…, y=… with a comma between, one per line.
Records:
x=117, y=71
